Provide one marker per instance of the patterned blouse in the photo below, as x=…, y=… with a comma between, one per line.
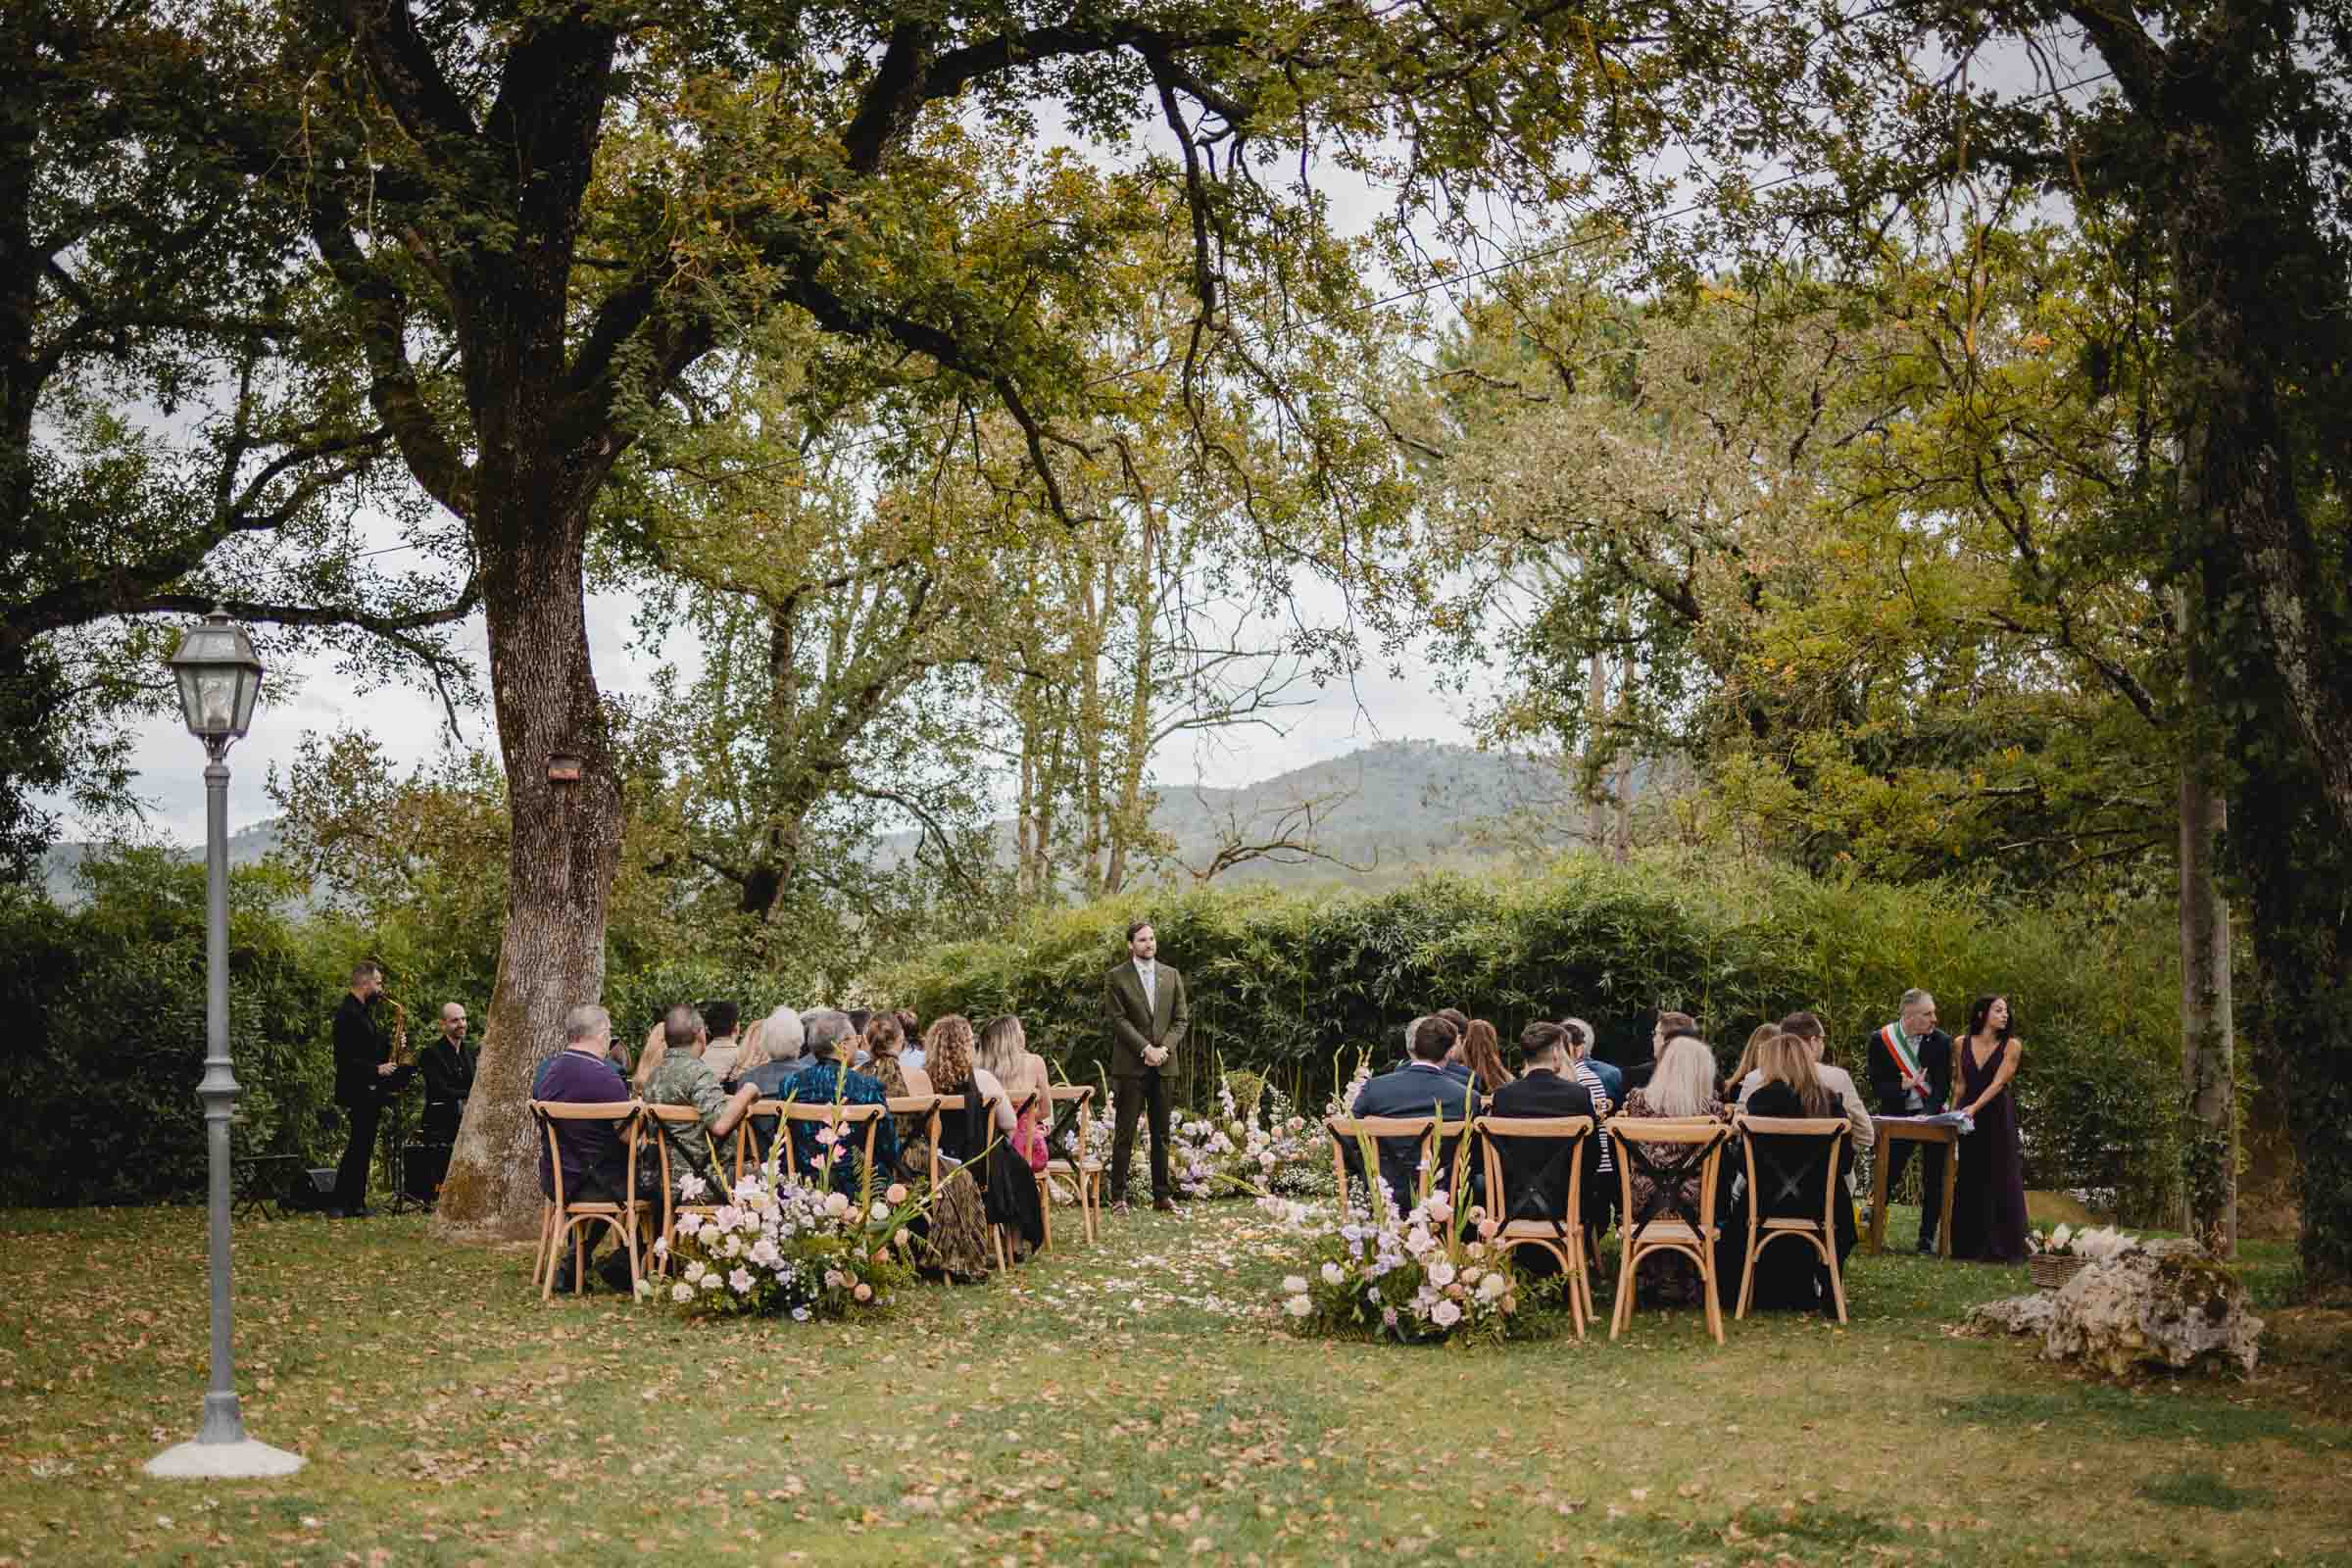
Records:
x=821, y=1083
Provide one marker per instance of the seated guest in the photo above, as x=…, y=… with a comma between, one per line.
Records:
x=1422, y=1087
x=825, y=1079
x=911, y=1030
x=720, y=1055
x=772, y=1053
x=1748, y=1058
x=1788, y=1085
x=1535, y=1183
x=679, y=1077
x=754, y=1069
x=855, y=1053
x=1482, y=1054
x=1579, y=1046
x=884, y=1050
x=1836, y=1080
x=1681, y=1085
x=980, y=1183
x=1003, y=1050
x=595, y=1161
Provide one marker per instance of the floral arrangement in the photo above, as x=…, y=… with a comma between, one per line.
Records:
x=782, y=1248
x=1428, y=1274
x=2097, y=1244
x=1266, y=1148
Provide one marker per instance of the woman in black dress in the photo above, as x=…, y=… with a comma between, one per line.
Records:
x=1988, y=1200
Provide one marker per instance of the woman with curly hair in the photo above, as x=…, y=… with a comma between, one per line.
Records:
x=961, y=1209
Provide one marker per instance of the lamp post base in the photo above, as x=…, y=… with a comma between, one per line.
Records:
x=209, y=1461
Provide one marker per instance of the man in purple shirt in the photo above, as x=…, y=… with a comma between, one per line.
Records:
x=596, y=1163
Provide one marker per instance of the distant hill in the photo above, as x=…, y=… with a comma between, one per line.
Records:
x=61, y=866
x=1376, y=815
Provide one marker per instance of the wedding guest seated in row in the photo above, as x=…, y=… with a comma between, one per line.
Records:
x=594, y=1160
x=885, y=1051
x=1482, y=1054
x=721, y=1018
x=1003, y=1050
x=1833, y=1078
x=1422, y=1087
x=982, y=1183
x=679, y=1076
x=911, y=1057
x=1534, y=1181
x=1789, y=1276
x=1580, y=1044
x=755, y=1070
x=828, y=1077
x=1681, y=1085
x=1748, y=1060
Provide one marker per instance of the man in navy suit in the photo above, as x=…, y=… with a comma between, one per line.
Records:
x=1422, y=1087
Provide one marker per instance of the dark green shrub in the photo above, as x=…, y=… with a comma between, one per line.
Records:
x=107, y=1001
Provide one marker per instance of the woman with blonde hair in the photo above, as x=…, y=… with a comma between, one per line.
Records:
x=1748, y=1058
x=649, y=1061
x=1787, y=1277
x=1681, y=1087
x=1004, y=1052
x=960, y=1212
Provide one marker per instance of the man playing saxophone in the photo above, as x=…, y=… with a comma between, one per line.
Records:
x=367, y=1073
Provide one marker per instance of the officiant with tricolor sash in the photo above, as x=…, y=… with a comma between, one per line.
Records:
x=1911, y=1070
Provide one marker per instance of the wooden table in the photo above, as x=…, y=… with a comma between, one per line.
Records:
x=1918, y=1131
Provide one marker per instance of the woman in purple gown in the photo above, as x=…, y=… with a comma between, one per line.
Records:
x=1989, y=1202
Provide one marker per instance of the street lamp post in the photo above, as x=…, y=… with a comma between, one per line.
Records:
x=218, y=678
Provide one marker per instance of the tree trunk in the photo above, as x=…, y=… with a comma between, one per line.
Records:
x=1622, y=849
x=2208, y=1033
x=1596, y=708
x=566, y=848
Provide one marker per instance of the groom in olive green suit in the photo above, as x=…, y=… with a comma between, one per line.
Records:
x=1144, y=1001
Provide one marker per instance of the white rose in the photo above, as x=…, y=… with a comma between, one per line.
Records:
x=1298, y=1306
x=1492, y=1287
x=681, y=1293
x=1293, y=1284
x=1333, y=1274
x=837, y=1204
x=1445, y=1314
x=1440, y=1273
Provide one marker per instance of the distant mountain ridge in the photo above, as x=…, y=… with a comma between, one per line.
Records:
x=1378, y=812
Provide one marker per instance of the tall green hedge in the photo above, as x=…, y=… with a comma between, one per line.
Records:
x=1285, y=982
x=105, y=1044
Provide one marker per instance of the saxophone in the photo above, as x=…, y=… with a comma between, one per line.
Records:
x=400, y=1033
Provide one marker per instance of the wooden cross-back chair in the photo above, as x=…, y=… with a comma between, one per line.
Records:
x=1521, y=1210
x=1066, y=1155
x=722, y=1162
x=568, y=1215
x=1786, y=1156
x=1348, y=1132
x=1671, y=1223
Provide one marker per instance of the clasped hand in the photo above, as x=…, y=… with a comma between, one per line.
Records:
x=1153, y=1055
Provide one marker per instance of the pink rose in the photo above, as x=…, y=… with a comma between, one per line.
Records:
x=863, y=1292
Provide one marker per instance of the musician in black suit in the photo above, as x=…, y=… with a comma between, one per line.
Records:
x=1911, y=1073
x=447, y=1066
x=1145, y=1005
x=1422, y=1087
x=1535, y=1183
x=365, y=1076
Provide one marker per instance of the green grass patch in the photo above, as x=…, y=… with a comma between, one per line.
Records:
x=1136, y=1402
x=2199, y=1489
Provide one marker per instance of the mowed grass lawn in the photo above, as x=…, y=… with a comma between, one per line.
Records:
x=1133, y=1401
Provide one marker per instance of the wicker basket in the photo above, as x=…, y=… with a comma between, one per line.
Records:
x=2049, y=1270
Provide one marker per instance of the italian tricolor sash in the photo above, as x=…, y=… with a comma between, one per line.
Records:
x=1906, y=1056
